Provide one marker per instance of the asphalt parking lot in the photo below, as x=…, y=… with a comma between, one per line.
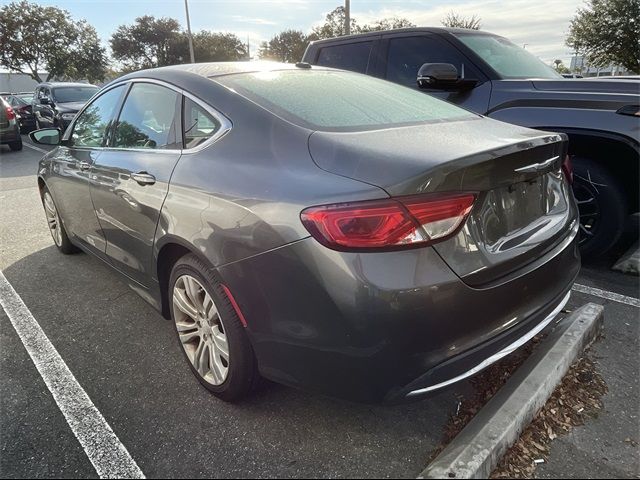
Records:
x=127, y=359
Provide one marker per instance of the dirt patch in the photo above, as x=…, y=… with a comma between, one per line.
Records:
x=578, y=397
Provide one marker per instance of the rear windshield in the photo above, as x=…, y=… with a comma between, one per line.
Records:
x=343, y=101
x=73, y=94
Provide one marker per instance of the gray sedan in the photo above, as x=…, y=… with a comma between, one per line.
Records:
x=320, y=228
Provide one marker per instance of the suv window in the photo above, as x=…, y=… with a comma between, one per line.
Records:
x=90, y=128
x=148, y=118
x=407, y=54
x=199, y=125
x=350, y=56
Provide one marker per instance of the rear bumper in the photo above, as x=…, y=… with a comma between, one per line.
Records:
x=388, y=326
x=459, y=368
x=9, y=135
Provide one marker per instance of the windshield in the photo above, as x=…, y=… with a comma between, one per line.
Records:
x=73, y=94
x=334, y=100
x=507, y=59
x=15, y=101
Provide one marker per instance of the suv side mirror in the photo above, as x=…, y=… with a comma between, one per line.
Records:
x=46, y=136
x=442, y=76
x=45, y=101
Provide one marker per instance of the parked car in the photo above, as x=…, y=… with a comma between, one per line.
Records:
x=572, y=75
x=26, y=96
x=492, y=76
x=9, y=129
x=24, y=112
x=321, y=228
x=56, y=103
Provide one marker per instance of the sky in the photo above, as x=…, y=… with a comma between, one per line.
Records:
x=541, y=25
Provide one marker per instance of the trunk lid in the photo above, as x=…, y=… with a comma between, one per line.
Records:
x=524, y=206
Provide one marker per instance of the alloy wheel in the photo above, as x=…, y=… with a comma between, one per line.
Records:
x=588, y=208
x=200, y=329
x=53, y=219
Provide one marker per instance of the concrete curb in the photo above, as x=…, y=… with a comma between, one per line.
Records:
x=476, y=450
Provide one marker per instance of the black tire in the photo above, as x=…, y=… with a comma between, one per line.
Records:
x=16, y=146
x=63, y=244
x=242, y=377
x=602, y=205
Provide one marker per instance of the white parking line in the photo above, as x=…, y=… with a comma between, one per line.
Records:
x=108, y=455
x=33, y=147
x=614, y=297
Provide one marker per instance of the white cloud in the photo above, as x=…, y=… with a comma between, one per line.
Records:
x=255, y=21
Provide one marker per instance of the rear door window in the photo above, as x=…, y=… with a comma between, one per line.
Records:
x=148, y=118
x=407, y=54
x=349, y=56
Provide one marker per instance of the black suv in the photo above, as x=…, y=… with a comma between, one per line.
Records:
x=56, y=103
x=490, y=75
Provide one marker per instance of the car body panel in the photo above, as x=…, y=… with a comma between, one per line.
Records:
x=127, y=211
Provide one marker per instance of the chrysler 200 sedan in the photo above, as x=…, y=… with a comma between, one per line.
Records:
x=319, y=228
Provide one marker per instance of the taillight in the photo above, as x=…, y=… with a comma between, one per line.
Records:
x=567, y=169
x=388, y=224
x=10, y=113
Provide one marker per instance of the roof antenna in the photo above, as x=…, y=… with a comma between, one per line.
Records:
x=304, y=65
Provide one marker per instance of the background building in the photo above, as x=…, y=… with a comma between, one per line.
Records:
x=580, y=65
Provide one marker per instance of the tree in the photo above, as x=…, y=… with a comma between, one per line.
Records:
x=334, y=25
x=216, y=47
x=288, y=46
x=560, y=67
x=34, y=39
x=390, y=23
x=454, y=20
x=608, y=32
x=149, y=43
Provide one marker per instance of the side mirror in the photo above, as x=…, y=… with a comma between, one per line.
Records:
x=46, y=136
x=45, y=101
x=442, y=76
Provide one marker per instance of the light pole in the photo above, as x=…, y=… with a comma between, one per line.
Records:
x=193, y=58
x=347, y=17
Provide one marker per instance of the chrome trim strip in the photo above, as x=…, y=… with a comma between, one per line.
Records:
x=536, y=167
x=225, y=123
x=501, y=354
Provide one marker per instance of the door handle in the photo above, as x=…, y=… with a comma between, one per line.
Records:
x=84, y=165
x=143, y=178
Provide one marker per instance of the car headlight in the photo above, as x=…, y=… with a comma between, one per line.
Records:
x=68, y=116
